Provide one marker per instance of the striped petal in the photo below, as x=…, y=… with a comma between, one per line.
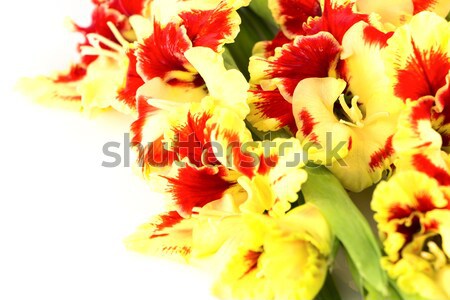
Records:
x=274, y=79
x=189, y=133
x=440, y=7
x=211, y=28
x=189, y=186
x=270, y=111
x=162, y=55
x=306, y=56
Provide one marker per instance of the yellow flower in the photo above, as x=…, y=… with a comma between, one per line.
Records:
x=413, y=215
x=277, y=258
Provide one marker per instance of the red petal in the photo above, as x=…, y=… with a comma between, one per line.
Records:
x=163, y=52
x=196, y=187
x=294, y=13
x=209, y=28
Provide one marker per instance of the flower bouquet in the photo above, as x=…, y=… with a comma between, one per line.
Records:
x=258, y=119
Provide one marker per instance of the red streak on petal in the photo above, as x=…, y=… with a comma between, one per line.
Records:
x=266, y=163
x=76, y=73
x=251, y=259
x=167, y=220
x=421, y=5
x=378, y=157
x=423, y=164
x=350, y=143
x=196, y=187
x=308, y=124
x=424, y=203
x=127, y=94
x=424, y=75
x=376, y=37
x=273, y=105
x=208, y=28
x=151, y=154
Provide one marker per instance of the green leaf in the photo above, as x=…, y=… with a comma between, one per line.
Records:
x=252, y=30
x=228, y=60
x=261, y=8
x=348, y=224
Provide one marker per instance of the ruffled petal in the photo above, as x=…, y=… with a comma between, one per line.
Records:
x=167, y=234
x=292, y=14
x=306, y=56
x=211, y=28
x=336, y=19
x=162, y=55
x=228, y=88
x=417, y=56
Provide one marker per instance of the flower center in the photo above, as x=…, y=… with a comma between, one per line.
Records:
x=117, y=50
x=352, y=115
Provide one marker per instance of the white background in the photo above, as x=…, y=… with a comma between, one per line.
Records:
x=62, y=215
